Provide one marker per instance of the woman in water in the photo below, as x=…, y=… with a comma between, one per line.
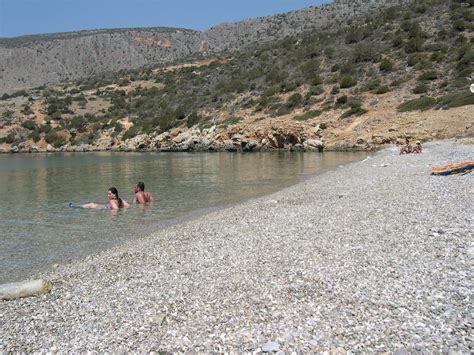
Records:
x=115, y=202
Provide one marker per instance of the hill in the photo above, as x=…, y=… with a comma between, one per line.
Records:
x=31, y=61
x=398, y=71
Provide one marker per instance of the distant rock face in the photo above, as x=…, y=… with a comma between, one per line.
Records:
x=27, y=62
x=31, y=61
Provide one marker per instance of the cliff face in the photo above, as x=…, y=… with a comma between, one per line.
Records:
x=31, y=61
x=45, y=60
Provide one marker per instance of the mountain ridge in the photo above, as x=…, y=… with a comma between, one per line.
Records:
x=43, y=59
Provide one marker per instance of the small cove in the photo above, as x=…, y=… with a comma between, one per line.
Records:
x=38, y=228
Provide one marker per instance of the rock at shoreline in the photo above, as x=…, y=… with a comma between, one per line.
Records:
x=24, y=289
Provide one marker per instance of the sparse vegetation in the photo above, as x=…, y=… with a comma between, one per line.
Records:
x=420, y=104
x=313, y=72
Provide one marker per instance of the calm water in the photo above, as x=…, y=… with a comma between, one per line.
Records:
x=37, y=228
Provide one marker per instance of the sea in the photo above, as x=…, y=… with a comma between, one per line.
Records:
x=39, y=229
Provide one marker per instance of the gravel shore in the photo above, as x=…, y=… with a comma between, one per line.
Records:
x=376, y=256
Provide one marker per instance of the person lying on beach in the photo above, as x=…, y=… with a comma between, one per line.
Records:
x=115, y=202
x=417, y=148
x=407, y=148
x=140, y=195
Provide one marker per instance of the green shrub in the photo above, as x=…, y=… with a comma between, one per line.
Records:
x=10, y=138
x=316, y=90
x=35, y=134
x=123, y=82
x=397, y=42
x=429, y=75
x=382, y=90
x=46, y=128
x=282, y=110
x=364, y=53
x=193, y=119
x=348, y=68
x=372, y=84
x=230, y=121
x=413, y=59
x=29, y=124
x=437, y=57
x=465, y=59
x=329, y=51
x=316, y=80
x=347, y=82
x=55, y=139
x=459, y=25
x=307, y=115
x=414, y=45
x=386, y=65
x=341, y=100
x=355, y=111
x=287, y=86
x=8, y=114
x=420, y=104
x=420, y=88
x=131, y=132
x=456, y=100
x=294, y=100
x=79, y=123
x=423, y=64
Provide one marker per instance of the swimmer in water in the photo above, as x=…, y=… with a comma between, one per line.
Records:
x=140, y=195
x=115, y=202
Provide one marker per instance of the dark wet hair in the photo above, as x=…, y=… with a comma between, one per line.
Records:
x=141, y=185
x=115, y=192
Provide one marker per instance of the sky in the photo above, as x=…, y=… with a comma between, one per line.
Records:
x=23, y=17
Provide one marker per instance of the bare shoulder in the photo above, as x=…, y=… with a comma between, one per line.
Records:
x=149, y=197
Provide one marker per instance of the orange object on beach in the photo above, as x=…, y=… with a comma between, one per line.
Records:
x=453, y=168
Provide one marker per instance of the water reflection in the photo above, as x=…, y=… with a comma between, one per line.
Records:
x=37, y=227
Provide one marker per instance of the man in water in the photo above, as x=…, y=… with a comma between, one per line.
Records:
x=140, y=195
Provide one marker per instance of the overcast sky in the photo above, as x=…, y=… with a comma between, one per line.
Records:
x=22, y=17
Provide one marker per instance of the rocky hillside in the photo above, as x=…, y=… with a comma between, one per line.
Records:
x=31, y=61
x=404, y=71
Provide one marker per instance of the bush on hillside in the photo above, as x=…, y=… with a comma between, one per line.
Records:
x=420, y=104
x=193, y=119
x=382, y=90
x=420, y=88
x=456, y=100
x=130, y=133
x=429, y=75
x=347, y=81
x=55, y=139
x=308, y=115
x=29, y=124
x=386, y=65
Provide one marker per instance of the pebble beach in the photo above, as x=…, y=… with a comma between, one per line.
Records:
x=376, y=256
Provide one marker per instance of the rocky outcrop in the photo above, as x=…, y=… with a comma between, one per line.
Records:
x=236, y=138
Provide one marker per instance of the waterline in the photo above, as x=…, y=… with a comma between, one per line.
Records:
x=38, y=229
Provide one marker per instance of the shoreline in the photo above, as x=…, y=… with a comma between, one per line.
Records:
x=17, y=272
x=373, y=256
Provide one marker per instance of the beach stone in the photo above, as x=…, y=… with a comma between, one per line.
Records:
x=401, y=351
x=271, y=346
